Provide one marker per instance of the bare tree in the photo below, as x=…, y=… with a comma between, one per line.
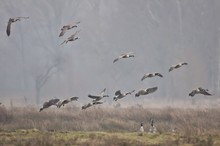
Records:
x=43, y=78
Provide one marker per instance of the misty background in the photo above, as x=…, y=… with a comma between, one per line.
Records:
x=34, y=68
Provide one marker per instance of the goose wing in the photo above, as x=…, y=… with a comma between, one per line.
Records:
x=63, y=31
x=8, y=30
x=151, y=90
x=118, y=93
x=93, y=96
x=145, y=76
x=102, y=92
x=192, y=93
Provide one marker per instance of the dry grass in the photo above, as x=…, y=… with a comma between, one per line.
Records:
x=116, y=126
x=187, y=121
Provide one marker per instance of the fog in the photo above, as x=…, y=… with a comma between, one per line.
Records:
x=160, y=33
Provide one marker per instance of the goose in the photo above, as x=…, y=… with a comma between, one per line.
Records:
x=126, y=55
x=119, y=95
x=153, y=128
x=67, y=101
x=49, y=103
x=71, y=38
x=177, y=66
x=98, y=97
x=68, y=27
x=200, y=91
x=146, y=91
x=149, y=75
x=12, y=20
x=91, y=104
x=142, y=127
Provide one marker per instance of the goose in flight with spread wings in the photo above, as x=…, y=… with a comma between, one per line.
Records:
x=91, y=104
x=67, y=101
x=200, y=91
x=146, y=91
x=98, y=97
x=177, y=66
x=49, y=103
x=119, y=95
x=13, y=20
x=126, y=55
x=149, y=75
x=71, y=38
x=68, y=27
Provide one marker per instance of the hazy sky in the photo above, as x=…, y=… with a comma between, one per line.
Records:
x=160, y=33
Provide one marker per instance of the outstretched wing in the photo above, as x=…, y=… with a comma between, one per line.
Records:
x=151, y=90
x=102, y=92
x=192, y=93
x=93, y=96
x=8, y=30
x=144, y=77
x=158, y=74
x=204, y=92
x=63, y=31
x=118, y=93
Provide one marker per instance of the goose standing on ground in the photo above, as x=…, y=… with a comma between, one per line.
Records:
x=71, y=38
x=142, y=127
x=177, y=66
x=200, y=91
x=68, y=27
x=119, y=95
x=67, y=101
x=49, y=103
x=149, y=75
x=12, y=20
x=153, y=128
x=91, y=104
x=146, y=91
x=126, y=55
x=98, y=97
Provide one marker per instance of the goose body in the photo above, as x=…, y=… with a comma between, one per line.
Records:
x=49, y=103
x=177, y=66
x=67, y=101
x=98, y=97
x=71, y=38
x=13, y=20
x=142, y=127
x=150, y=75
x=67, y=27
x=126, y=55
x=200, y=91
x=146, y=91
x=119, y=95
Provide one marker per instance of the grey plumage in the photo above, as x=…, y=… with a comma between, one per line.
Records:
x=177, y=66
x=12, y=20
x=200, y=91
x=149, y=75
x=119, y=95
x=67, y=101
x=68, y=27
x=98, y=97
x=126, y=55
x=49, y=103
x=146, y=91
x=71, y=38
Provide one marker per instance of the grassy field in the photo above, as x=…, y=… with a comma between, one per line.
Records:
x=109, y=126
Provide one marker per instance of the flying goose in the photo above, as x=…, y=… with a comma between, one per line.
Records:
x=98, y=97
x=12, y=20
x=119, y=95
x=67, y=101
x=68, y=27
x=146, y=91
x=71, y=38
x=177, y=66
x=126, y=55
x=91, y=104
x=49, y=103
x=200, y=91
x=149, y=75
